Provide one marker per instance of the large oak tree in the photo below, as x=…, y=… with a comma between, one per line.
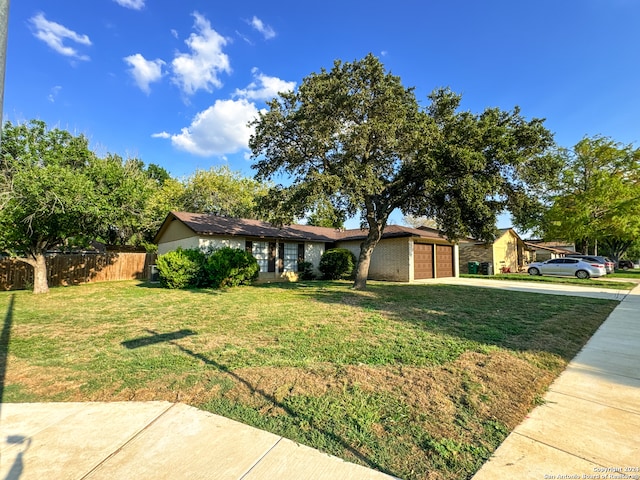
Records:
x=357, y=136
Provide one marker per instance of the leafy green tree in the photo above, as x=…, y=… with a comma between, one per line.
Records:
x=168, y=197
x=324, y=214
x=222, y=192
x=123, y=188
x=356, y=135
x=48, y=195
x=157, y=173
x=597, y=200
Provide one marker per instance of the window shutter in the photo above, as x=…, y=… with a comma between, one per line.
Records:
x=272, y=256
x=248, y=246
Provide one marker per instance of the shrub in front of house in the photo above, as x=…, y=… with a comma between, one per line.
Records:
x=181, y=268
x=230, y=267
x=305, y=271
x=337, y=263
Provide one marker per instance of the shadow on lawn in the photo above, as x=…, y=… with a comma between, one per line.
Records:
x=518, y=321
x=171, y=337
x=4, y=345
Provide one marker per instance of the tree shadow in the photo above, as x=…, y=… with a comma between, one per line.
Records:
x=171, y=337
x=5, y=337
x=4, y=345
x=517, y=321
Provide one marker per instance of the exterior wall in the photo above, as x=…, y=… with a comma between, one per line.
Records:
x=177, y=235
x=456, y=260
x=505, y=253
x=312, y=253
x=220, y=242
x=470, y=252
x=185, y=243
x=391, y=259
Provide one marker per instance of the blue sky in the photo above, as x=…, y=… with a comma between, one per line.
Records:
x=175, y=83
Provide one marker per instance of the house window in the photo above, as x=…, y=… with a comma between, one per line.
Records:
x=290, y=260
x=260, y=250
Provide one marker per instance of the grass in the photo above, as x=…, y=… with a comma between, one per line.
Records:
x=419, y=381
x=631, y=274
x=588, y=282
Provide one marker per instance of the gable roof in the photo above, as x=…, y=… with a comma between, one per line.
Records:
x=212, y=225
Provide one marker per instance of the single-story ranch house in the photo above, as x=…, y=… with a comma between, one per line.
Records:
x=403, y=254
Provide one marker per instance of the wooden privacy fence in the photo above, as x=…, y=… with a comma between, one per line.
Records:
x=74, y=269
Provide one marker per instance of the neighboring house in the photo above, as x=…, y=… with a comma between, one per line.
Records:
x=548, y=250
x=507, y=253
x=403, y=254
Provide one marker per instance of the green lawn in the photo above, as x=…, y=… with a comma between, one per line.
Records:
x=631, y=274
x=419, y=381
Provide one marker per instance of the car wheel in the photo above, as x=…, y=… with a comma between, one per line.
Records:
x=582, y=274
x=625, y=268
x=533, y=271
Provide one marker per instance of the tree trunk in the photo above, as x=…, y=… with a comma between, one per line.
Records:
x=364, y=260
x=39, y=264
x=40, y=283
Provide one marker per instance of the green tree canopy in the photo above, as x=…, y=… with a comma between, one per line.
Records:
x=123, y=189
x=356, y=135
x=223, y=192
x=48, y=194
x=597, y=199
x=324, y=214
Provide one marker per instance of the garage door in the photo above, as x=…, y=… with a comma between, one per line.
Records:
x=422, y=261
x=444, y=261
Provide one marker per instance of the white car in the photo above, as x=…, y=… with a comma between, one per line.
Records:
x=568, y=267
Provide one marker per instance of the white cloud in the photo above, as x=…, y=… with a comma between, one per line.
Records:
x=54, y=93
x=144, y=71
x=218, y=130
x=54, y=35
x=266, y=30
x=160, y=135
x=133, y=4
x=264, y=87
x=200, y=68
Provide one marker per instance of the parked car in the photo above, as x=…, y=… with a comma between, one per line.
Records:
x=609, y=264
x=568, y=267
x=625, y=264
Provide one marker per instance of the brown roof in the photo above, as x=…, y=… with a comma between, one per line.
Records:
x=208, y=224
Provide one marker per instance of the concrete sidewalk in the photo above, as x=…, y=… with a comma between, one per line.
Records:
x=152, y=440
x=589, y=424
